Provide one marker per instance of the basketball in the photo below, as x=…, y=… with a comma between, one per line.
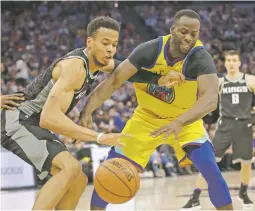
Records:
x=116, y=181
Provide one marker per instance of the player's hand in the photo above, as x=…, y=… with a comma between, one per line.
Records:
x=174, y=127
x=171, y=79
x=8, y=101
x=85, y=120
x=113, y=139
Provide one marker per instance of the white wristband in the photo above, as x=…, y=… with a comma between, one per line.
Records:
x=98, y=137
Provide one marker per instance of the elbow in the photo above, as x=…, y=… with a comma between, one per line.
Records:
x=45, y=120
x=44, y=123
x=213, y=103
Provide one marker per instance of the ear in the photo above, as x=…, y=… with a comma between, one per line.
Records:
x=172, y=29
x=89, y=42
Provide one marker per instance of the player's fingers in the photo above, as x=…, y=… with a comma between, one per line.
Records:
x=17, y=94
x=171, y=84
x=10, y=102
x=167, y=133
x=16, y=98
x=90, y=126
x=175, y=135
x=89, y=122
x=180, y=81
x=120, y=144
x=8, y=107
x=83, y=122
x=155, y=133
x=158, y=132
x=182, y=77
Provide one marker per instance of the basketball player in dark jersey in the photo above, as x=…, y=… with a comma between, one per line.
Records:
x=236, y=92
x=26, y=131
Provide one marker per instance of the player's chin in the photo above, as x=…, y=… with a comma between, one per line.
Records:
x=105, y=62
x=185, y=49
x=232, y=70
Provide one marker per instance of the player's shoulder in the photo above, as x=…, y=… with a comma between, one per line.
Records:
x=145, y=54
x=201, y=58
x=71, y=61
x=75, y=64
x=201, y=53
x=149, y=46
x=200, y=62
x=70, y=69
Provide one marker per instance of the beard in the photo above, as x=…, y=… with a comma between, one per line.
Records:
x=177, y=44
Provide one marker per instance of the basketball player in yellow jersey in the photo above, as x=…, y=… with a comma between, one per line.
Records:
x=169, y=116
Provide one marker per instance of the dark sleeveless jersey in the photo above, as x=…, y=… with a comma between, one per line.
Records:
x=38, y=90
x=235, y=99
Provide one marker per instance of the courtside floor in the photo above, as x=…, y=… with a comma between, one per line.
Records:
x=154, y=194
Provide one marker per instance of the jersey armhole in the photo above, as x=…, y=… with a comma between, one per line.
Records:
x=184, y=68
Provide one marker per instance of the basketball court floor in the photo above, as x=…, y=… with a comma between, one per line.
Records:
x=154, y=194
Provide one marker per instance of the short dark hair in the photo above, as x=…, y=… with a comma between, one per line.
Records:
x=186, y=12
x=232, y=53
x=102, y=21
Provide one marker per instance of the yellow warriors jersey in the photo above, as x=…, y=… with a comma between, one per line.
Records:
x=167, y=103
x=158, y=106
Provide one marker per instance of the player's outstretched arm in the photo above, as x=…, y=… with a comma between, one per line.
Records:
x=207, y=100
x=144, y=55
x=69, y=76
x=105, y=89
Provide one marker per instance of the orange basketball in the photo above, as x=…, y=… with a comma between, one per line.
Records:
x=116, y=181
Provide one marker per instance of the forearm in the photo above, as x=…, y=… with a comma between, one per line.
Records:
x=141, y=76
x=59, y=123
x=101, y=93
x=203, y=106
x=105, y=89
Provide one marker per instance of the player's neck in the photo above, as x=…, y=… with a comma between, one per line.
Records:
x=234, y=76
x=173, y=52
x=92, y=66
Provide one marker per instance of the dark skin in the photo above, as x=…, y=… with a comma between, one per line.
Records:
x=101, y=48
x=185, y=33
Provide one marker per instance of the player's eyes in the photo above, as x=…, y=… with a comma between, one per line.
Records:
x=184, y=32
x=104, y=43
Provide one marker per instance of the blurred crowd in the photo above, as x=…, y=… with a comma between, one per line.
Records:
x=32, y=39
x=223, y=27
